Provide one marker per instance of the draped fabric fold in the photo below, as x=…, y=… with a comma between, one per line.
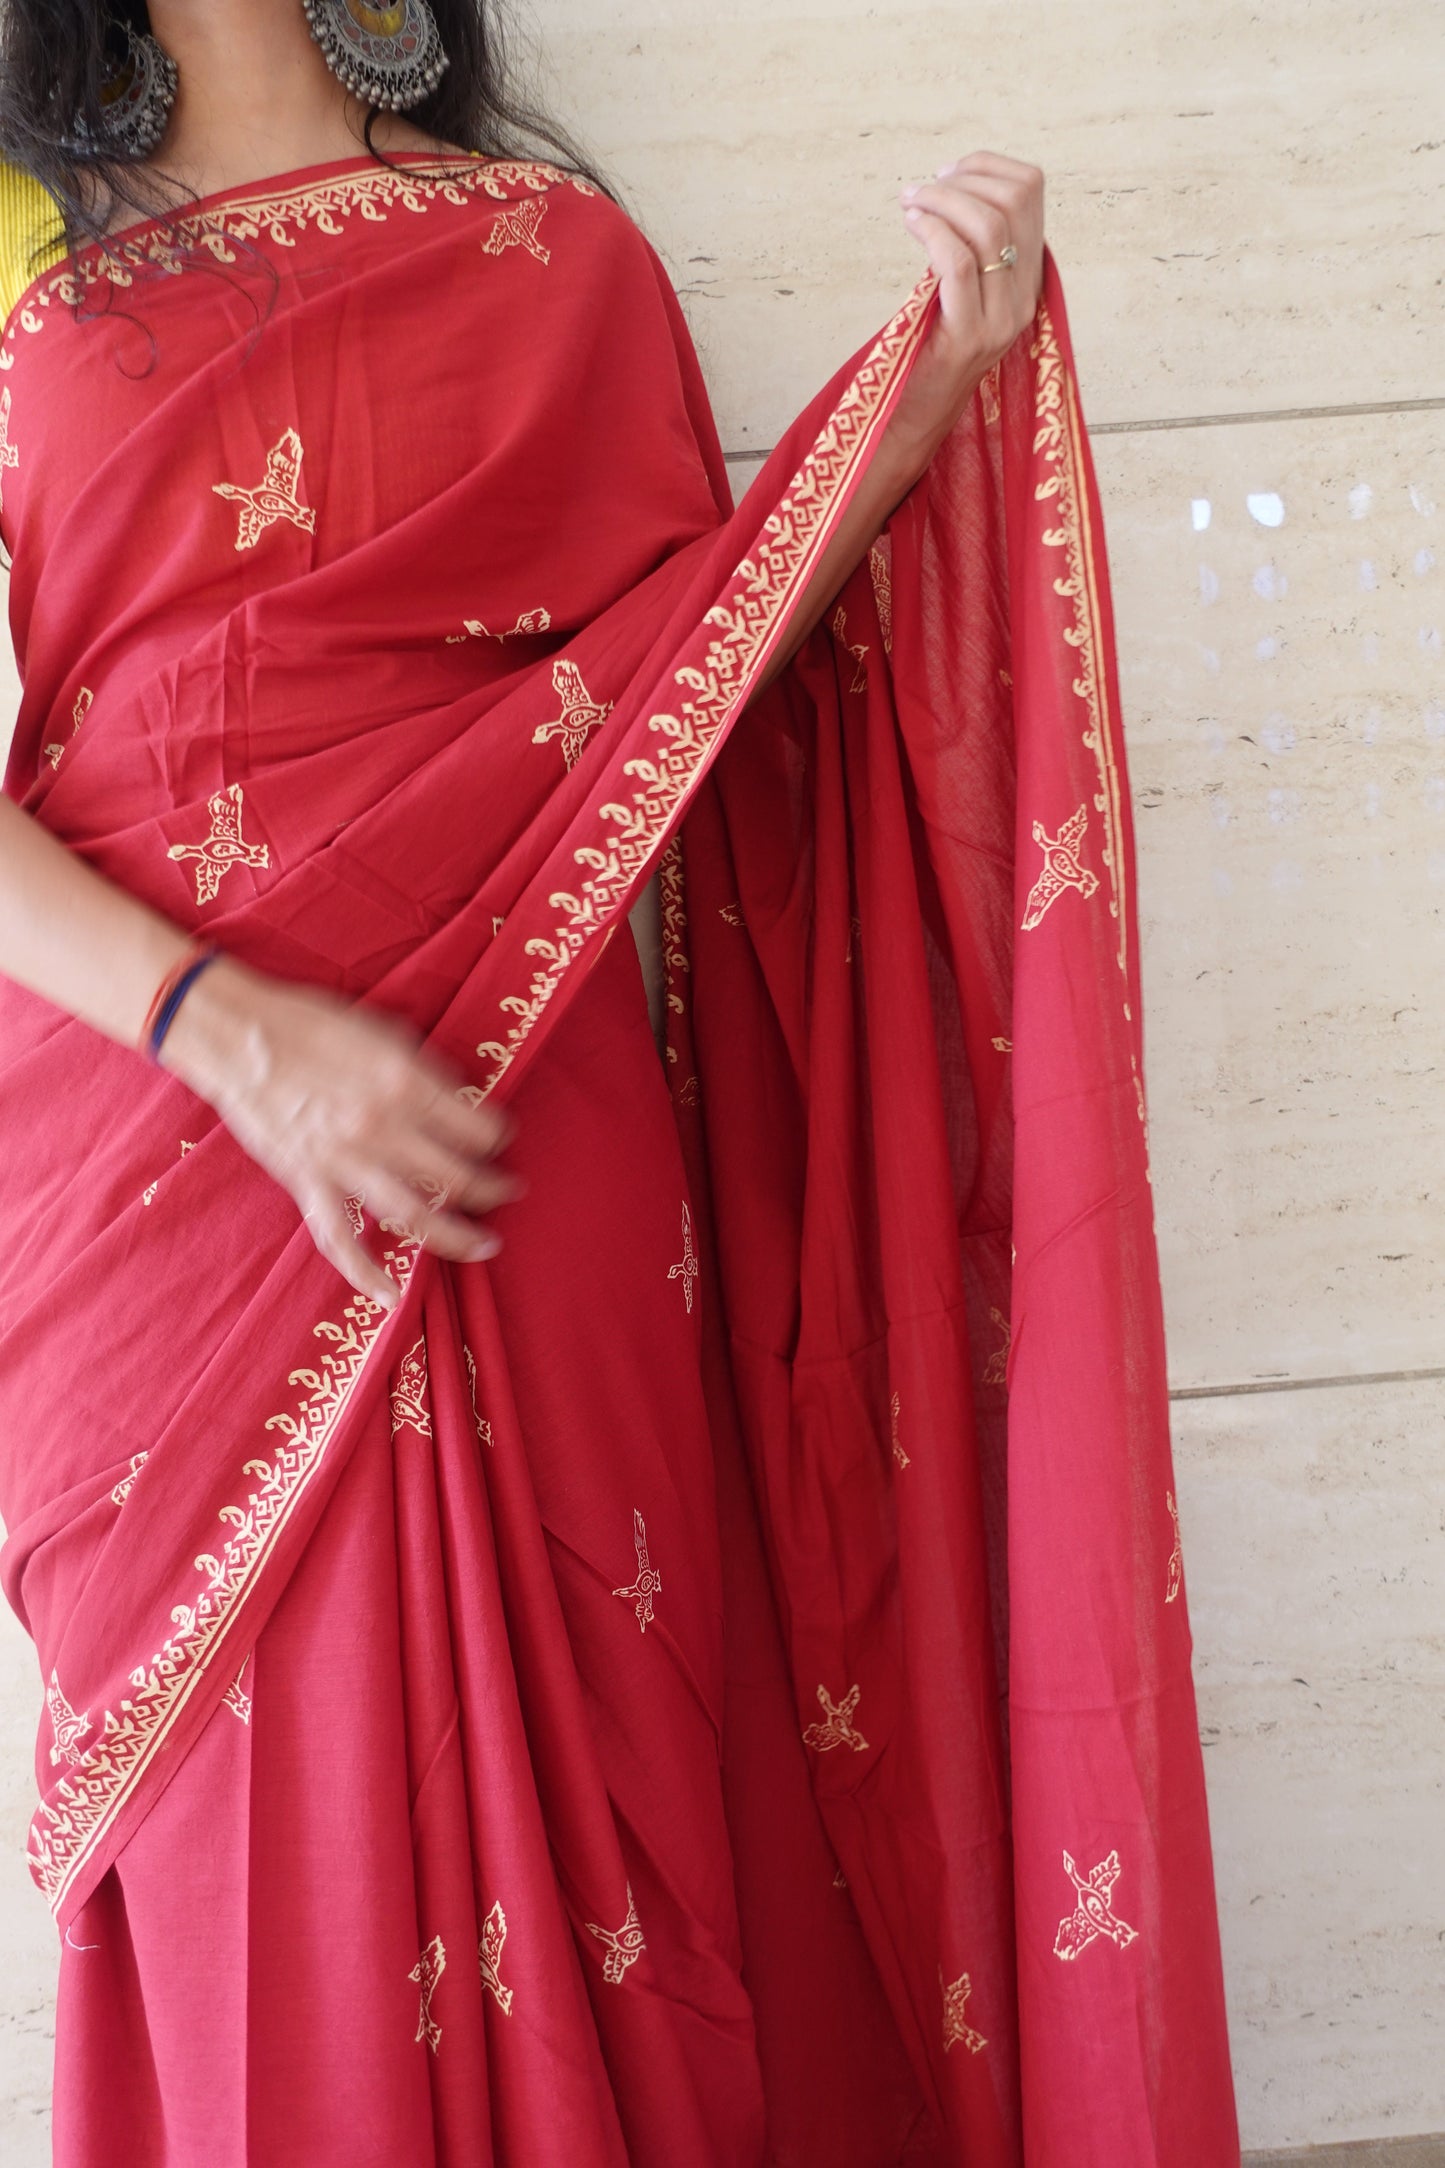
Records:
x=712, y=1686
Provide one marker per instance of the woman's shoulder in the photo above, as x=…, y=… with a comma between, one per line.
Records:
x=515, y=180
x=31, y=235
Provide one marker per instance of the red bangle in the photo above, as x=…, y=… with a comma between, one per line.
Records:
x=164, y=1002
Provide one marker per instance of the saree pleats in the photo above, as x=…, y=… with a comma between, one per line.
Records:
x=710, y=1689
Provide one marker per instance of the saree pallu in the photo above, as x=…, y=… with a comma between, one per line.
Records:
x=712, y=1686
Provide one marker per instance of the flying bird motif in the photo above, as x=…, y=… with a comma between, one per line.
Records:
x=580, y=716
x=426, y=1973
x=649, y=1581
x=409, y=1394
x=687, y=1269
x=224, y=847
x=69, y=1727
x=957, y=2032
x=494, y=1936
x=278, y=497
x=1094, y=1913
x=517, y=228
x=837, y=1727
x=1062, y=867
x=9, y=456
x=1176, y=1556
x=624, y=1945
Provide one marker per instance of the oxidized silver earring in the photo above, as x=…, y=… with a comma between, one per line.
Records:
x=389, y=54
x=136, y=97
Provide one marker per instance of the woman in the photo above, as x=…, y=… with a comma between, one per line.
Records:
x=646, y=1692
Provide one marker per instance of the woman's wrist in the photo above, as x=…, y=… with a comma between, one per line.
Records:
x=207, y=1041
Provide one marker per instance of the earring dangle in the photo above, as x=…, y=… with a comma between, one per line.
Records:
x=386, y=55
x=137, y=94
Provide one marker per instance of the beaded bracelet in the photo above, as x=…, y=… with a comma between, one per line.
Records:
x=169, y=995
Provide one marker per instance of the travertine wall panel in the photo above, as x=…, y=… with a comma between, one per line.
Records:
x=27, y=1933
x=1243, y=199
x=1314, y=1536
x=1281, y=609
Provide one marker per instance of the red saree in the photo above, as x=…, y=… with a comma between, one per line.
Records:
x=712, y=1687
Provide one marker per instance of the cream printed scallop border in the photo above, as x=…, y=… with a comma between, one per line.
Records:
x=630, y=834
x=279, y=215
x=68, y=1826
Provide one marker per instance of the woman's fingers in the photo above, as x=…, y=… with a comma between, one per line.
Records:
x=477, y=1132
x=330, y=1229
x=980, y=323
x=1021, y=221
x=334, y=1101
x=980, y=225
x=437, y=1229
x=1022, y=211
x=998, y=163
x=447, y=1176
x=950, y=257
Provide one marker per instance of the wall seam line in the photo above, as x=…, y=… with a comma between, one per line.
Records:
x=1246, y=1388
x=1212, y=421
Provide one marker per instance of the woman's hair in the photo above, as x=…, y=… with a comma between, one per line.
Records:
x=55, y=54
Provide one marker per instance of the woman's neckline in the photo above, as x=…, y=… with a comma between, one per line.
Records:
x=285, y=183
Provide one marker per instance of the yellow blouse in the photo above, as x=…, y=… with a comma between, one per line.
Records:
x=28, y=219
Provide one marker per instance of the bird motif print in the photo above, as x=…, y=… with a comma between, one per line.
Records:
x=881, y=569
x=224, y=847
x=9, y=456
x=837, y=1727
x=580, y=716
x=426, y=1973
x=624, y=1945
x=123, y=1488
x=649, y=1581
x=859, y=654
x=1062, y=867
x=996, y=1368
x=957, y=2032
x=517, y=228
x=494, y=1936
x=529, y=624
x=83, y=702
x=1175, y=1585
x=687, y=1267
x=278, y=496
x=236, y=1699
x=1093, y=1915
x=69, y=1728
x=409, y=1394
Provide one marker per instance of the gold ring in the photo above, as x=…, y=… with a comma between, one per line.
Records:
x=1007, y=259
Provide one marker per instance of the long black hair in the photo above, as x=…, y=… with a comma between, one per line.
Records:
x=55, y=56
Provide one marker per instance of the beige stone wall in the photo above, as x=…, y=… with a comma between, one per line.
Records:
x=1247, y=204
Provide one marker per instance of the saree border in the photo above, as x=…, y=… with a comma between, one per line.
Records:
x=281, y=215
x=749, y=621
x=1059, y=439
x=66, y=1831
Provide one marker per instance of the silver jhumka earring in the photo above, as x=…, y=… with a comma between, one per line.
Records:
x=137, y=95
x=387, y=55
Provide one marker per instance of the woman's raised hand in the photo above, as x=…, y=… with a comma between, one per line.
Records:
x=968, y=219
x=337, y=1102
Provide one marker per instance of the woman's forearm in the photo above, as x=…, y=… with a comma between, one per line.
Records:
x=901, y=459
x=981, y=221
x=72, y=936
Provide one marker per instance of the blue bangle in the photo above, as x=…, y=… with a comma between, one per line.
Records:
x=166, y=1014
